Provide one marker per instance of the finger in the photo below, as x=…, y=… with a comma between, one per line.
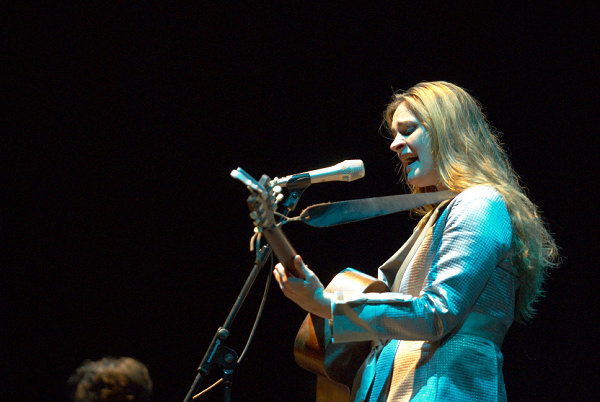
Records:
x=282, y=273
x=303, y=267
x=300, y=265
x=277, y=278
x=282, y=277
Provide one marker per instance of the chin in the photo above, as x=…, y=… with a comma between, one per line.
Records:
x=415, y=182
x=421, y=184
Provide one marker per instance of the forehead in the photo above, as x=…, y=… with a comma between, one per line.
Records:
x=403, y=114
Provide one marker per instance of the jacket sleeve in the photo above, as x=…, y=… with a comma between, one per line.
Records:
x=470, y=238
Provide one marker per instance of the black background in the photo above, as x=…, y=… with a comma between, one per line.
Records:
x=128, y=237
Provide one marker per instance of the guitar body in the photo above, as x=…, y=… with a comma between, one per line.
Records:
x=335, y=364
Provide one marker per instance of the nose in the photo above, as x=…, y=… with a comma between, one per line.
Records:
x=398, y=144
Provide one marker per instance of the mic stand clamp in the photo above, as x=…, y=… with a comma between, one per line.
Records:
x=227, y=361
x=295, y=186
x=225, y=357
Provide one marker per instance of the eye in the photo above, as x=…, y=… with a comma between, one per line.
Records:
x=408, y=130
x=404, y=129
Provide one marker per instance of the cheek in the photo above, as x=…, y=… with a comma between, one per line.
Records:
x=428, y=163
x=426, y=156
x=429, y=170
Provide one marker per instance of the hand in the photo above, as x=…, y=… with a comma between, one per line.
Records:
x=308, y=293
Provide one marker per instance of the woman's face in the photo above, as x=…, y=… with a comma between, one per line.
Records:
x=412, y=145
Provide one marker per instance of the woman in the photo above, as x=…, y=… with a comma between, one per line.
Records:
x=473, y=264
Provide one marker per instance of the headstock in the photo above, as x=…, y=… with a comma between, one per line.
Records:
x=263, y=198
x=262, y=202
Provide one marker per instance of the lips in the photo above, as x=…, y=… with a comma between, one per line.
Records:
x=409, y=160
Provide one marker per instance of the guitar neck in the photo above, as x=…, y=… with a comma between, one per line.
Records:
x=283, y=250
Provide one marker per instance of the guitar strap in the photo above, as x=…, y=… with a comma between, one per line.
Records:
x=337, y=213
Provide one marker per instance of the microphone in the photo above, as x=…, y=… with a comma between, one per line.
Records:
x=347, y=170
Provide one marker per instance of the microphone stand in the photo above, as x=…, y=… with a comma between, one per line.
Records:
x=217, y=352
x=225, y=357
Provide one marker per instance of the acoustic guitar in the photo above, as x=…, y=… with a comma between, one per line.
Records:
x=335, y=364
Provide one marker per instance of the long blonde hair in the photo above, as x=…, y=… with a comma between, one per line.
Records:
x=468, y=153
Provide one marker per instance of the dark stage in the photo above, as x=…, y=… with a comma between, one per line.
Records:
x=127, y=235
